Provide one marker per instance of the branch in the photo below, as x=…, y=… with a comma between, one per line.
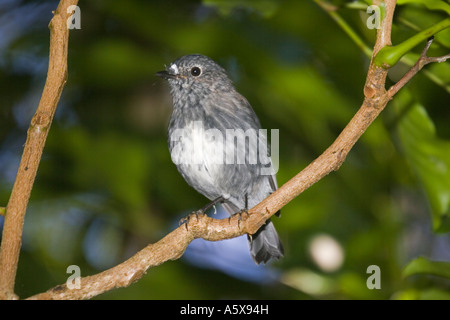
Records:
x=34, y=145
x=172, y=246
x=390, y=55
x=421, y=62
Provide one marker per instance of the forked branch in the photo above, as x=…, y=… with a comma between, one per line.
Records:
x=173, y=245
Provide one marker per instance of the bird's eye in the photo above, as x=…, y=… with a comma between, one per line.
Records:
x=196, y=71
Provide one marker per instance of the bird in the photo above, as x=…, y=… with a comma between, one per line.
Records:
x=216, y=142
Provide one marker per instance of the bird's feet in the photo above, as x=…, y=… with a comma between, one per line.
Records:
x=186, y=219
x=239, y=214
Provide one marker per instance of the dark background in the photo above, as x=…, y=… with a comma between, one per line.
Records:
x=106, y=185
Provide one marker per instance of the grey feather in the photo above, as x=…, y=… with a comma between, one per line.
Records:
x=206, y=108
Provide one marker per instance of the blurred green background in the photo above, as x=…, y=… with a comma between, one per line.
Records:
x=106, y=185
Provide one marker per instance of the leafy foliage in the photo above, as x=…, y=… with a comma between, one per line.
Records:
x=106, y=186
x=428, y=155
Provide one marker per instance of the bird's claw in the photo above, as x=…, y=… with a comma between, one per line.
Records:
x=186, y=219
x=239, y=214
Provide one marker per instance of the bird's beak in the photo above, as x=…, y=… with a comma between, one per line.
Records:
x=166, y=75
x=171, y=72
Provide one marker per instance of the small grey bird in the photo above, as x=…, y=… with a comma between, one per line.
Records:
x=217, y=145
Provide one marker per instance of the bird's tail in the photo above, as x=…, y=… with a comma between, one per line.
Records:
x=265, y=244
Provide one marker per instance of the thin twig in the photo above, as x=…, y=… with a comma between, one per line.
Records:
x=34, y=145
x=421, y=62
x=331, y=10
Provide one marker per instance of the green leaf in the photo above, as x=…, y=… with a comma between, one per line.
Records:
x=388, y=56
x=430, y=4
x=424, y=266
x=428, y=156
x=426, y=294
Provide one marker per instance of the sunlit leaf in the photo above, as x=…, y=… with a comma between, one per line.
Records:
x=428, y=156
x=427, y=294
x=424, y=266
x=430, y=4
